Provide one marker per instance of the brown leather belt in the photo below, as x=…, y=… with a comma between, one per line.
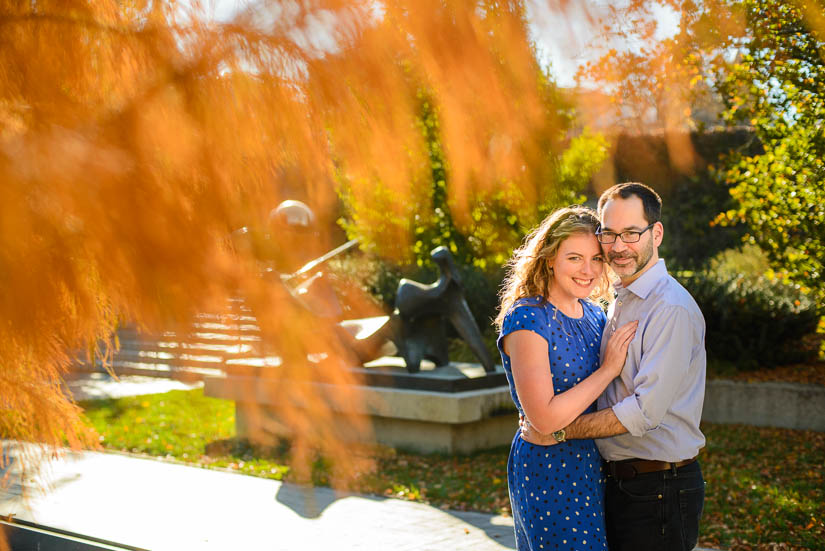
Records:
x=629, y=468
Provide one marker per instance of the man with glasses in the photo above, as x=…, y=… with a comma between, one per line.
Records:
x=648, y=418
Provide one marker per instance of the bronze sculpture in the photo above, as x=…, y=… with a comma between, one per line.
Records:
x=424, y=310
x=417, y=326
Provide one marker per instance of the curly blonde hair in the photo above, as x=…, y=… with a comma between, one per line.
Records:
x=529, y=273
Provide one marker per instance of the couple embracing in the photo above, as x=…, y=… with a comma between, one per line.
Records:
x=610, y=404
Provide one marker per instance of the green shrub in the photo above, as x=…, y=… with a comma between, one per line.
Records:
x=748, y=261
x=753, y=322
x=376, y=277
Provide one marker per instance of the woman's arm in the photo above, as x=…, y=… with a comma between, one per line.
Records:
x=546, y=411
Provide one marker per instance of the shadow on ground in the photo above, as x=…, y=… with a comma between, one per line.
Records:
x=311, y=502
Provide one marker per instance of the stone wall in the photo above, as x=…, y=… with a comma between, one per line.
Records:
x=772, y=404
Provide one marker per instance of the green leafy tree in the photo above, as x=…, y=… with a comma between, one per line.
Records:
x=776, y=84
x=525, y=169
x=758, y=64
x=498, y=217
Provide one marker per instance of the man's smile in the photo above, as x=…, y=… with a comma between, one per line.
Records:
x=622, y=260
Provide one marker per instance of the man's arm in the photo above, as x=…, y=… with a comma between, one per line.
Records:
x=600, y=424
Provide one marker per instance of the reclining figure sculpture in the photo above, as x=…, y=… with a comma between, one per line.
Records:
x=417, y=326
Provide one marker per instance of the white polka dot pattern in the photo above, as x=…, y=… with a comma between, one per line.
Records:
x=557, y=492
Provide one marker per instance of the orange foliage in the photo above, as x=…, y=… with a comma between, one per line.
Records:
x=136, y=136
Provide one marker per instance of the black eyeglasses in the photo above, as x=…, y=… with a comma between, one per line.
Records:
x=628, y=236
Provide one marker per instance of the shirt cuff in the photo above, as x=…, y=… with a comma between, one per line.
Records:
x=628, y=413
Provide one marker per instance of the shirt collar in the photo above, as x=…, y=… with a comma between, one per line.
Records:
x=642, y=286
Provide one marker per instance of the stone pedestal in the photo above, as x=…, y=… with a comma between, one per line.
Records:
x=453, y=420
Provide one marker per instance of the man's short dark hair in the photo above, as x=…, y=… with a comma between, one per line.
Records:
x=651, y=201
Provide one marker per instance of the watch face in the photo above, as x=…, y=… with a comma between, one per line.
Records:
x=559, y=435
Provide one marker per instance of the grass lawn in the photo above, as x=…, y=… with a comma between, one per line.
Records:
x=765, y=487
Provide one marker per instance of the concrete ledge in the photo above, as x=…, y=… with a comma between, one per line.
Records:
x=419, y=405
x=446, y=438
x=772, y=404
x=418, y=420
x=463, y=422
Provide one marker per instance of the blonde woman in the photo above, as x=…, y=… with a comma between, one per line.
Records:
x=550, y=331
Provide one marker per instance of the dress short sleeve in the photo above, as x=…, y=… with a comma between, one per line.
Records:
x=524, y=316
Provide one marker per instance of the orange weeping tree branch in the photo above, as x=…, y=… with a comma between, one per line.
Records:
x=473, y=64
x=135, y=137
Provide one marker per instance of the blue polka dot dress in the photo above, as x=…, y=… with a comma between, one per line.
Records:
x=556, y=492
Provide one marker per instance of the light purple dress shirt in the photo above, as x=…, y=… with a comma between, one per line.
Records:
x=659, y=395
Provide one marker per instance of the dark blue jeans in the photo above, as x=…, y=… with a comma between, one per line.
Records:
x=657, y=511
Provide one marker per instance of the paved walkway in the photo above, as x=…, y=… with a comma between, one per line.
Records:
x=96, y=386
x=154, y=505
